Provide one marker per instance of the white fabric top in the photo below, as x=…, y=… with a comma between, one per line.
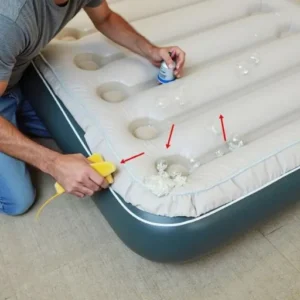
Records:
x=242, y=62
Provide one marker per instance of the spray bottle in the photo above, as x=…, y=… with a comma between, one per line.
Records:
x=166, y=74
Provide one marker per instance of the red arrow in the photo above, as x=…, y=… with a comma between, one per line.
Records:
x=223, y=127
x=168, y=145
x=123, y=161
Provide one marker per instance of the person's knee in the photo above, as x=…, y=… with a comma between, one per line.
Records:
x=19, y=202
x=24, y=203
x=16, y=191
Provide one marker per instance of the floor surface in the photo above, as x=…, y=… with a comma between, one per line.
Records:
x=73, y=254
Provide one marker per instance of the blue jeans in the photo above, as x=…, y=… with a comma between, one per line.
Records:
x=17, y=193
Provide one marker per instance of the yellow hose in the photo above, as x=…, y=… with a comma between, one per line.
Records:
x=45, y=204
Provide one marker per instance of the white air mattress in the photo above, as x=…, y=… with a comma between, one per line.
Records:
x=243, y=61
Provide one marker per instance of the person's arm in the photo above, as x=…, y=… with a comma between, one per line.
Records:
x=114, y=27
x=3, y=86
x=73, y=172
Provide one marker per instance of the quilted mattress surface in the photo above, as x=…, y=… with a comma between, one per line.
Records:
x=242, y=62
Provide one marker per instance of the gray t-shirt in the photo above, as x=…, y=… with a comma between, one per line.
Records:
x=27, y=26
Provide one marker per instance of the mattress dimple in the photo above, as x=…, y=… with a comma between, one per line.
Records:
x=242, y=62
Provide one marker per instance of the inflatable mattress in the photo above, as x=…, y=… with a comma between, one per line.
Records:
x=201, y=158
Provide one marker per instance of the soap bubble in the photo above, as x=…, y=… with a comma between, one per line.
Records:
x=180, y=180
x=242, y=69
x=235, y=142
x=162, y=102
x=194, y=164
x=214, y=127
x=219, y=153
x=179, y=96
x=180, y=100
x=277, y=14
x=216, y=130
x=192, y=160
x=254, y=58
x=161, y=165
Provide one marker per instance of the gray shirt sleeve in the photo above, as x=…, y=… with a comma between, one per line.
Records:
x=12, y=43
x=94, y=3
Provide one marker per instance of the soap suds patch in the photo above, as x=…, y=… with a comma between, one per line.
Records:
x=167, y=178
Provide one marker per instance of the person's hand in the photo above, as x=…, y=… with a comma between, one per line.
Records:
x=162, y=54
x=76, y=176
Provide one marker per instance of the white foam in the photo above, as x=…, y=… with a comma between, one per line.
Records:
x=167, y=179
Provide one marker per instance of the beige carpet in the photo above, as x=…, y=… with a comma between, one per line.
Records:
x=72, y=254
